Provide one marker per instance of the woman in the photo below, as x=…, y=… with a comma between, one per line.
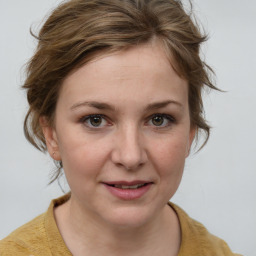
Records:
x=114, y=91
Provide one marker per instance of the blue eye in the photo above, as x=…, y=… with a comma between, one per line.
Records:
x=94, y=121
x=161, y=120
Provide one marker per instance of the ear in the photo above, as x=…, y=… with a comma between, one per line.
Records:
x=191, y=137
x=50, y=138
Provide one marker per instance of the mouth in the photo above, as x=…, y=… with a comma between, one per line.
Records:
x=127, y=186
x=128, y=190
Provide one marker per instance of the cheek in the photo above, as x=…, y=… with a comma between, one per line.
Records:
x=169, y=159
x=82, y=167
x=171, y=155
x=82, y=159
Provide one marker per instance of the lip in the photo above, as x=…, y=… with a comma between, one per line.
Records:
x=127, y=183
x=128, y=194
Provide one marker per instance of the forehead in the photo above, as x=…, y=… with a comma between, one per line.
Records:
x=140, y=56
x=145, y=70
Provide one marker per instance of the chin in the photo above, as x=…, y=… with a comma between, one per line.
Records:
x=130, y=217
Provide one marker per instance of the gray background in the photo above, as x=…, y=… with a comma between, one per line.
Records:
x=218, y=187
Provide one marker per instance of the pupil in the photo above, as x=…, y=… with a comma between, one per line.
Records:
x=96, y=120
x=158, y=120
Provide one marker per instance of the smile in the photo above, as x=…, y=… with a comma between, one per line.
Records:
x=128, y=190
x=129, y=187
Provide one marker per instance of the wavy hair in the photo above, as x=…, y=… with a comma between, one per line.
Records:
x=78, y=30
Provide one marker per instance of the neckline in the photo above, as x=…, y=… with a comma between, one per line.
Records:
x=55, y=238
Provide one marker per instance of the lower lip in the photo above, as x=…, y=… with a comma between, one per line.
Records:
x=128, y=194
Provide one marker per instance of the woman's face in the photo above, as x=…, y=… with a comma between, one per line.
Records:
x=122, y=131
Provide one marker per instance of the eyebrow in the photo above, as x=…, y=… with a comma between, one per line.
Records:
x=162, y=104
x=106, y=106
x=93, y=104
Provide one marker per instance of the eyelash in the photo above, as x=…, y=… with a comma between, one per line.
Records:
x=86, y=118
x=170, y=119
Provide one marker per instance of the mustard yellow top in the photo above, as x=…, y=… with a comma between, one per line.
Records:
x=41, y=237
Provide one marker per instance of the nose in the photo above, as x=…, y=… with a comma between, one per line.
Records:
x=128, y=149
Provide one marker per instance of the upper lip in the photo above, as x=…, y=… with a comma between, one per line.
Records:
x=127, y=183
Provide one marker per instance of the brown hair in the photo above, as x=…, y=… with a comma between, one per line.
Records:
x=77, y=30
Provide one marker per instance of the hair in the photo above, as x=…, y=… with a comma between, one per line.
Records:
x=78, y=30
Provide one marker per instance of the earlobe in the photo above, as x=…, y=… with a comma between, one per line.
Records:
x=50, y=139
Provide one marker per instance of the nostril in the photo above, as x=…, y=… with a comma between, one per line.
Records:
x=128, y=151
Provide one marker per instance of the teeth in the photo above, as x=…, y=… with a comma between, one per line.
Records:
x=129, y=187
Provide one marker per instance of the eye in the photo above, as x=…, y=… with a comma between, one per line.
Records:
x=94, y=121
x=161, y=120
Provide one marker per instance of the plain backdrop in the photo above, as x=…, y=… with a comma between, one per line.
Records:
x=218, y=187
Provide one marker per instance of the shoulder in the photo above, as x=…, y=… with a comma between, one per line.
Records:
x=26, y=240
x=39, y=237
x=197, y=240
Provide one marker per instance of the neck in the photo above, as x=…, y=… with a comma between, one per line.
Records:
x=84, y=234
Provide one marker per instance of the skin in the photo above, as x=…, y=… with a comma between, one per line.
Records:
x=127, y=145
